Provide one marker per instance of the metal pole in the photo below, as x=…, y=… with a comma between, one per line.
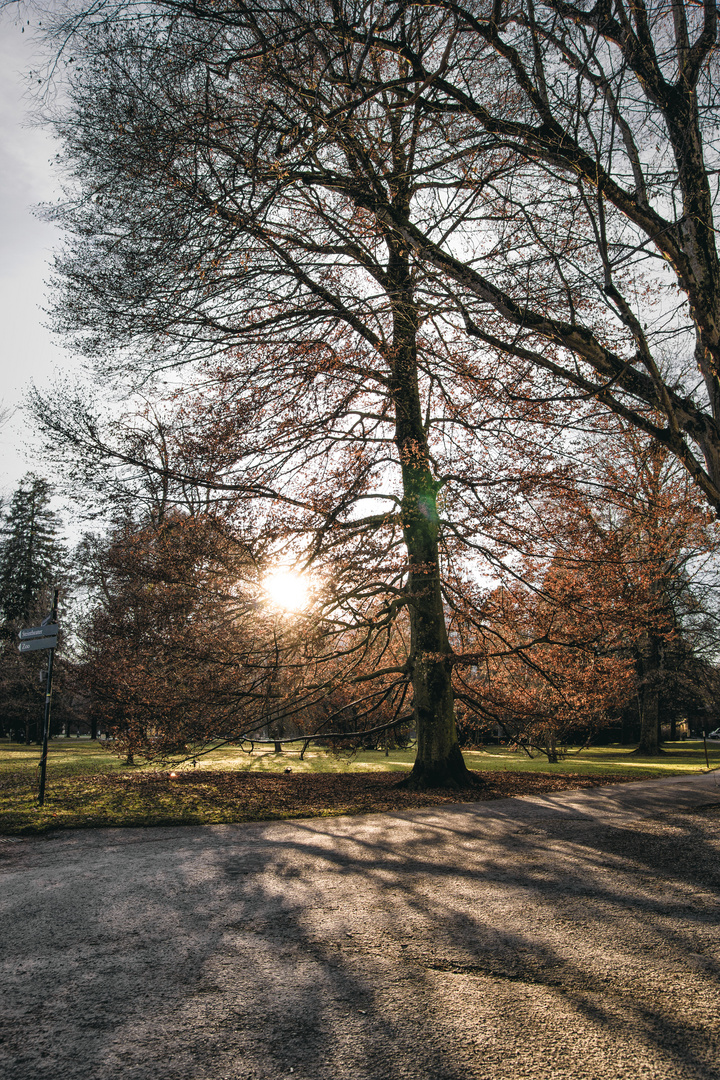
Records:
x=48, y=699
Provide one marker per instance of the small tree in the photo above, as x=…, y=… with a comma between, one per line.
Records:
x=32, y=563
x=162, y=644
x=178, y=649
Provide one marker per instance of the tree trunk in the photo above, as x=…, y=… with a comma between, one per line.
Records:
x=648, y=664
x=551, y=747
x=695, y=228
x=649, y=744
x=439, y=761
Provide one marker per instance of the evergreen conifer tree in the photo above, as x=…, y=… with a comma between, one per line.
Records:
x=32, y=560
x=31, y=556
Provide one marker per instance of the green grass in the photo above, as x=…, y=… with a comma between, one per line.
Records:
x=88, y=786
x=66, y=757
x=76, y=757
x=679, y=758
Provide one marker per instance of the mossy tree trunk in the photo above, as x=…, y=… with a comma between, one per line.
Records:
x=439, y=761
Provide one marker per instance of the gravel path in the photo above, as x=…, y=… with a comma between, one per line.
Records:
x=567, y=936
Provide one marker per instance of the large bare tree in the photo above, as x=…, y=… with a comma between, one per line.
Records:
x=331, y=361
x=613, y=108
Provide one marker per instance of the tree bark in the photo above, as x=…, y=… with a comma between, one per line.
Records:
x=649, y=744
x=551, y=747
x=439, y=761
x=648, y=663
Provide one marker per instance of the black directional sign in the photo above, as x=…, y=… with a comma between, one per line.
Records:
x=38, y=643
x=44, y=630
x=44, y=636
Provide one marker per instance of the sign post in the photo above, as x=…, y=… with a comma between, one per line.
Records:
x=44, y=636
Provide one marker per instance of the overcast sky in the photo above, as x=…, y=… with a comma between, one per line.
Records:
x=28, y=351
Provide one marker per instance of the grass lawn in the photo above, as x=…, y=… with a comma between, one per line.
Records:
x=88, y=786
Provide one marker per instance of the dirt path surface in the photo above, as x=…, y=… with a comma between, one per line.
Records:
x=572, y=935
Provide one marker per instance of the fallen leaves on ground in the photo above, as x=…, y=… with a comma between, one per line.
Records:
x=209, y=797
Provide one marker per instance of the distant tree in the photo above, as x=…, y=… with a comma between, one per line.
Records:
x=32, y=556
x=32, y=563
x=657, y=547
x=549, y=674
x=178, y=649
x=614, y=607
x=160, y=646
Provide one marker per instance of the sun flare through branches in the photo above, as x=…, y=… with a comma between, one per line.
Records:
x=287, y=591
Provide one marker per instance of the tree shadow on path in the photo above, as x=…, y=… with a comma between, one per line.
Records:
x=442, y=946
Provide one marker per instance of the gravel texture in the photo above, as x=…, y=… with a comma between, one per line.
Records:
x=572, y=935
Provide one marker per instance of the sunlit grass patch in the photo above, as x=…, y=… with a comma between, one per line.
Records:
x=68, y=756
x=678, y=758
x=88, y=786
x=74, y=757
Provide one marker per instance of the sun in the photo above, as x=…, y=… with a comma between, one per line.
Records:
x=286, y=590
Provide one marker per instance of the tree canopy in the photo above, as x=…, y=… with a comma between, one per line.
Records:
x=579, y=143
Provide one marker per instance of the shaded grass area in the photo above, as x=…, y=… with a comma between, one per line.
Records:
x=212, y=797
x=89, y=787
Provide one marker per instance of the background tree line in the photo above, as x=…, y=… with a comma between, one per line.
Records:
x=606, y=614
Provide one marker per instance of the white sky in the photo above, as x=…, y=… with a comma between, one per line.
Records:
x=28, y=352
